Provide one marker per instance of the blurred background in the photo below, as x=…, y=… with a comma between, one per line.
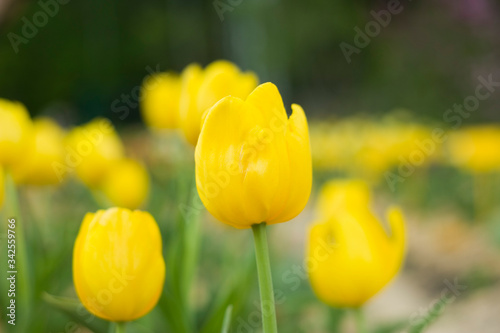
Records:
x=427, y=58
x=368, y=113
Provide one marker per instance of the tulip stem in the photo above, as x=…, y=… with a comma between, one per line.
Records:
x=265, y=278
x=359, y=317
x=120, y=327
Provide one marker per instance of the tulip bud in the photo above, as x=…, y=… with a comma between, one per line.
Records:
x=15, y=131
x=45, y=149
x=118, y=267
x=95, y=147
x=350, y=256
x=127, y=184
x=253, y=164
x=160, y=95
x=201, y=89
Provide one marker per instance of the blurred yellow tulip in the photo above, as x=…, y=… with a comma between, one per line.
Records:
x=45, y=149
x=118, y=267
x=201, y=89
x=476, y=148
x=192, y=77
x=253, y=164
x=160, y=96
x=94, y=147
x=350, y=255
x=127, y=184
x=15, y=131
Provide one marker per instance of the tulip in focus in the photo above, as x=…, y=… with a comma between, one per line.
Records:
x=201, y=89
x=351, y=256
x=127, y=184
x=94, y=148
x=46, y=148
x=253, y=164
x=15, y=131
x=118, y=267
x=160, y=95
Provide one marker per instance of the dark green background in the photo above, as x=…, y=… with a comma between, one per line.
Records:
x=91, y=52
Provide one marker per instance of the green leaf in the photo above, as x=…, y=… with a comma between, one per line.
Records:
x=226, y=323
x=75, y=310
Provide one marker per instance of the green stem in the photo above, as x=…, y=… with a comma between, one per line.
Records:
x=120, y=327
x=359, y=317
x=265, y=279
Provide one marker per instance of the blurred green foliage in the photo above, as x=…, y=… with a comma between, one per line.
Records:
x=91, y=52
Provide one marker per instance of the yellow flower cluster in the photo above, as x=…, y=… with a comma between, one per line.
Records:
x=366, y=148
x=39, y=152
x=98, y=157
x=171, y=101
x=29, y=149
x=350, y=254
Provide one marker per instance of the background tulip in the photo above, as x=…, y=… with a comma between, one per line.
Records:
x=203, y=88
x=15, y=131
x=475, y=148
x=45, y=148
x=351, y=256
x=118, y=267
x=253, y=164
x=160, y=95
x=192, y=77
x=127, y=184
x=94, y=148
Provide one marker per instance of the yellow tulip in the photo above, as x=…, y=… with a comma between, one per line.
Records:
x=160, y=96
x=192, y=76
x=15, y=131
x=118, y=267
x=476, y=148
x=45, y=149
x=349, y=254
x=127, y=184
x=201, y=89
x=253, y=164
x=94, y=148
